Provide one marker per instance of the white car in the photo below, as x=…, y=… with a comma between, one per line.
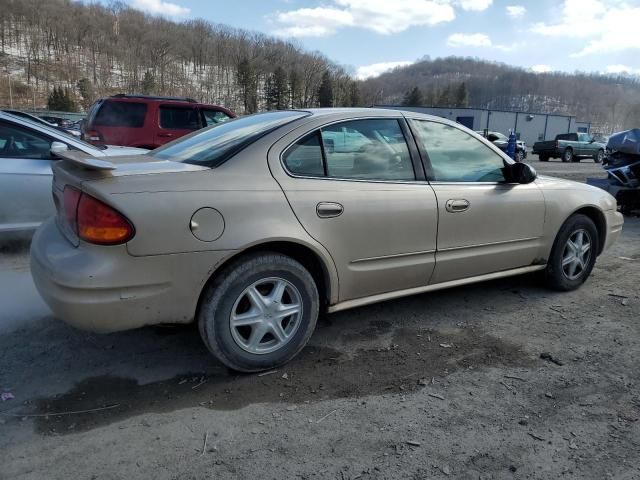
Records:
x=27, y=151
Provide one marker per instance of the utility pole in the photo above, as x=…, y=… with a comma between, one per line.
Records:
x=10, y=92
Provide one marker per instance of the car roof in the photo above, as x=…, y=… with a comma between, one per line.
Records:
x=165, y=100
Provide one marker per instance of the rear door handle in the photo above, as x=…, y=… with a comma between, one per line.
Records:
x=457, y=205
x=329, y=209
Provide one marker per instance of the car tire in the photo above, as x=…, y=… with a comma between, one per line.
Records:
x=543, y=158
x=567, y=155
x=519, y=156
x=259, y=288
x=568, y=268
x=599, y=157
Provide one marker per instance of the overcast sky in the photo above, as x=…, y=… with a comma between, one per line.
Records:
x=374, y=35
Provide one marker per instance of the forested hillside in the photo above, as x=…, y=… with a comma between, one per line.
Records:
x=612, y=102
x=91, y=50
x=94, y=50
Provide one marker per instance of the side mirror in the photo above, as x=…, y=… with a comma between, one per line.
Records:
x=58, y=147
x=520, y=172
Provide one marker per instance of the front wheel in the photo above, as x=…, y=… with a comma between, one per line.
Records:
x=567, y=155
x=259, y=312
x=574, y=253
x=599, y=157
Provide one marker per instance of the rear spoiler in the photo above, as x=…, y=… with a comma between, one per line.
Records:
x=84, y=160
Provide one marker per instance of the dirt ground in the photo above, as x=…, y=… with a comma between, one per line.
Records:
x=443, y=385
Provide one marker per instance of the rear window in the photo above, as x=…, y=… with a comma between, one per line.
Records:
x=121, y=114
x=567, y=136
x=179, y=118
x=214, y=145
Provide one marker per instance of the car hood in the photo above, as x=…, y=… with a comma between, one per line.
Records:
x=599, y=196
x=115, y=150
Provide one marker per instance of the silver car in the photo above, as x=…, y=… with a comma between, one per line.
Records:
x=27, y=151
x=252, y=227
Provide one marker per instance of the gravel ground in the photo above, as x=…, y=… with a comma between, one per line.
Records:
x=443, y=385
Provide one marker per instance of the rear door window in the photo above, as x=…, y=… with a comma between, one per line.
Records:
x=373, y=149
x=121, y=114
x=179, y=118
x=213, y=117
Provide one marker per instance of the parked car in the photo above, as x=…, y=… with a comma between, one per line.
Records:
x=502, y=142
x=252, y=227
x=70, y=128
x=570, y=147
x=26, y=155
x=146, y=121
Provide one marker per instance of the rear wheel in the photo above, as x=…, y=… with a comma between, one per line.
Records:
x=543, y=158
x=574, y=253
x=519, y=156
x=599, y=157
x=567, y=155
x=259, y=312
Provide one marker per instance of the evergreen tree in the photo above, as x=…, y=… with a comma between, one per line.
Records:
x=444, y=99
x=86, y=92
x=462, y=96
x=325, y=92
x=294, y=88
x=413, y=98
x=246, y=77
x=148, y=83
x=354, y=95
x=280, y=88
x=60, y=100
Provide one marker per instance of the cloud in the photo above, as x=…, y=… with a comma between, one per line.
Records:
x=622, y=69
x=541, y=68
x=376, y=69
x=606, y=26
x=469, y=40
x=516, y=11
x=381, y=16
x=474, y=5
x=313, y=22
x=159, y=7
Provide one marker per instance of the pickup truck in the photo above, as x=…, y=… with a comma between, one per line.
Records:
x=570, y=147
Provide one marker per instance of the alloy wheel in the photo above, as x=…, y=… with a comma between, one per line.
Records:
x=576, y=254
x=266, y=315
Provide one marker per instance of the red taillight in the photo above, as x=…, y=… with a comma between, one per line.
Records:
x=95, y=221
x=93, y=136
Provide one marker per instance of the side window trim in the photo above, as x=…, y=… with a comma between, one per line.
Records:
x=409, y=137
x=427, y=161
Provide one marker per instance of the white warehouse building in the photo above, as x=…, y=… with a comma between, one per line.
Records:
x=530, y=127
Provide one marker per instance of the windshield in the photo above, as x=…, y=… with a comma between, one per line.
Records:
x=214, y=145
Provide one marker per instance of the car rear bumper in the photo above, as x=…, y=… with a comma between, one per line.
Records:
x=104, y=289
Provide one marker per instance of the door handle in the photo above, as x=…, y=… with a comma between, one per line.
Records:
x=329, y=209
x=169, y=135
x=457, y=205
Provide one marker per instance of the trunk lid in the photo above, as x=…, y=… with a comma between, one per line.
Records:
x=77, y=168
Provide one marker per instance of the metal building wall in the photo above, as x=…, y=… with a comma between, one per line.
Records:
x=531, y=127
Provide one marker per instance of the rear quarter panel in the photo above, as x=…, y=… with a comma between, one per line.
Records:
x=252, y=204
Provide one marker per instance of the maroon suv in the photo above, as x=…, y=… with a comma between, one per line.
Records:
x=146, y=121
